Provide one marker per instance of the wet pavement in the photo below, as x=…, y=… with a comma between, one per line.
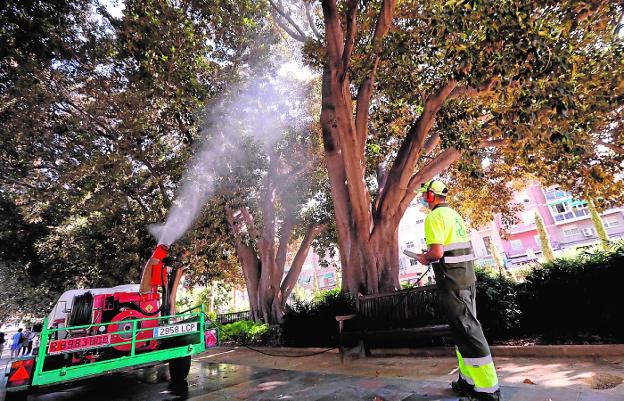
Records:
x=217, y=381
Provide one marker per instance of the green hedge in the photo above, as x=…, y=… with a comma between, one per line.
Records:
x=581, y=295
x=244, y=332
x=567, y=300
x=314, y=323
x=497, y=305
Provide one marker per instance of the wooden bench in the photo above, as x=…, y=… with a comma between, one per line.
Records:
x=411, y=313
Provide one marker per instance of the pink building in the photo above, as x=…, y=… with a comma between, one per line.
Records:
x=567, y=221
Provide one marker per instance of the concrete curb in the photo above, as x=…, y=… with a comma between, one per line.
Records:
x=596, y=350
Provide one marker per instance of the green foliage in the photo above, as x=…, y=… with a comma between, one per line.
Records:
x=313, y=323
x=598, y=225
x=547, y=251
x=576, y=295
x=244, y=332
x=498, y=260
x=497, y=305
x=99, y=116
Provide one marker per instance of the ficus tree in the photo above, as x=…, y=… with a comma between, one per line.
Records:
x=100, y=114
x=411, y=87
x=271, y=200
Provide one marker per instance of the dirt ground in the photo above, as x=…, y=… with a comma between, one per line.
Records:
x=599, y=373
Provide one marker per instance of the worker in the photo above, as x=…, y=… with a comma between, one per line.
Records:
x=449, y=251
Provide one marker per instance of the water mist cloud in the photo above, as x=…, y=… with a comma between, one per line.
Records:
x=262, y=108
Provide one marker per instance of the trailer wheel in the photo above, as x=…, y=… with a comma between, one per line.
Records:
x=16, y=395
x=179, y=368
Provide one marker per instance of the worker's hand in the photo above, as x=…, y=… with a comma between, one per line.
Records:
x=422, y=259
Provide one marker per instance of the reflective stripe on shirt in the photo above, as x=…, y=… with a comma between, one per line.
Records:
x=457, y=245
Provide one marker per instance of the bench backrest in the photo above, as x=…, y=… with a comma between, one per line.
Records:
x=414, y=307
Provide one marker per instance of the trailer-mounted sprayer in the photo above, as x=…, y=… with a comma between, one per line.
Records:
x=96, y=331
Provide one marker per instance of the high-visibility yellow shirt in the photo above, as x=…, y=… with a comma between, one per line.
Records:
x=445, y=226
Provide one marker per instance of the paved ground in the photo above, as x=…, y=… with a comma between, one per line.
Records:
x=211, y=382
x=598, y=376
x=323, y=378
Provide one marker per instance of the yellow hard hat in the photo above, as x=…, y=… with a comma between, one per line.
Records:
x=435, y=186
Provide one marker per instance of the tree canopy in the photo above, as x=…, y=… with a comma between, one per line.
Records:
x=100, y=114
x=414, y=88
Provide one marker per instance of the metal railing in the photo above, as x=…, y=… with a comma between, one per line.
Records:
x=226, y=318
x=121, y=359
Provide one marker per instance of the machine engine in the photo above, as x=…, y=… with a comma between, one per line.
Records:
x=124, y=305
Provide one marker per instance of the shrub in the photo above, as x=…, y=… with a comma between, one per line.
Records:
x=497, y=305
x=579, y=295
x=314, y=323
x=244, y=332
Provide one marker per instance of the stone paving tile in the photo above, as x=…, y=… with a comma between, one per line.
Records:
x=306, y=386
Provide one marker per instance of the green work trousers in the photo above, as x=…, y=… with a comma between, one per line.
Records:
x=473, y=352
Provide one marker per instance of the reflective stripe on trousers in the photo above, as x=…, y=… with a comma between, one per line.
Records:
x=479, y=372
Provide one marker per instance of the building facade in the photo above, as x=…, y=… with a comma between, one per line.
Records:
x=567, y=221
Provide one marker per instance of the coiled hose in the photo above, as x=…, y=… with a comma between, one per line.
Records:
x=82, y=308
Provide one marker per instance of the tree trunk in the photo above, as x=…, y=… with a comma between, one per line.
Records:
x=263, y=272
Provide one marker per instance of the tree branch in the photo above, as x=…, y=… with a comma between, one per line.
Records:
x=363, y=105
x=468, y=92
x=352, y=8
x=300, y=35
x=431, y=143
x=295, y=268
x=384, y=20
x=284, y=239
x=433, y=168
x=333, y=33
x=249, y=222
x=16, y=182
x=308, y=10
x=287, y=29
x=617, y=149
x=410, y=151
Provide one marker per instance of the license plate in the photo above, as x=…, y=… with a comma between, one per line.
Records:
x=78, y=344
x=174, y=329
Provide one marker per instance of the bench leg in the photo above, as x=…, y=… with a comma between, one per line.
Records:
x=363, y=351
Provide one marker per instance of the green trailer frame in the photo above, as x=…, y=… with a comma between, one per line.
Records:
x=134, y=359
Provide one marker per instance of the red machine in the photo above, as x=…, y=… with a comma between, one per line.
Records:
x=156, y=297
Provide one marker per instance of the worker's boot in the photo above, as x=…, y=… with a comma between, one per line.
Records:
x=495, y=396
x=461, y=386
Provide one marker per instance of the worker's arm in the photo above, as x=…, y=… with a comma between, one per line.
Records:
x=435, y=253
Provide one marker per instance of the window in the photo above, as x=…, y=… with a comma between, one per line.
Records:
x=487, y=244
x=570, y=230
x=588, y=232
x=516, y=244
x=528, y=217
x=580, y=208
x=538, y=241
x=562, y=211
x=409, y=244
x=555, y=193
x=611, y=221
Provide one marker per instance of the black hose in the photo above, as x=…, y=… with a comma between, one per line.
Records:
x=165, y=303
x=81, y=310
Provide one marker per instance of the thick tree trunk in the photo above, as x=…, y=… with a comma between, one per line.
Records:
x=263, y=272
x=367, y=232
